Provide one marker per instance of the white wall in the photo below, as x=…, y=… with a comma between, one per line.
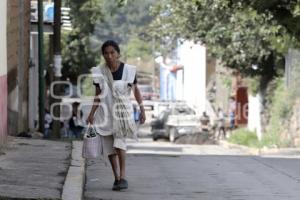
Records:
x=179, y=85
x=193, y=57
x=3, y=53
x=254, y=118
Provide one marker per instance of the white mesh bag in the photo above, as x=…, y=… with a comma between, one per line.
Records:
x=91, y=143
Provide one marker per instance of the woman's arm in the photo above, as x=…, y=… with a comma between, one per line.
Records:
x=138, y=97
x=96, y=102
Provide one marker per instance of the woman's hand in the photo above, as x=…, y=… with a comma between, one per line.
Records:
x=90, y=119
x=142, y=116
x=139, y=100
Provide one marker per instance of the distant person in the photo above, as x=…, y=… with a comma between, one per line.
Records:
x=204, y=122
x=65, y=128
x=221, y=124
x=76, y=123
x=232, y=110
x=47, y=124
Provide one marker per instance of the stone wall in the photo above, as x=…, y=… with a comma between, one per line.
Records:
x=291, y=131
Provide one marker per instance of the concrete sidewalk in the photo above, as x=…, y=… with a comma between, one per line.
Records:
x=34, y=169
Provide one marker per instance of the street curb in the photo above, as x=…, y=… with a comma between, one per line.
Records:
x=251, y=151
x=262, y=151
x=74, y=183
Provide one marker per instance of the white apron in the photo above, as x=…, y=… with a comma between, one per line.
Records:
x=104, y=114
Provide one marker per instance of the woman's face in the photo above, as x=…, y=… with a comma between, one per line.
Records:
x=110, y=55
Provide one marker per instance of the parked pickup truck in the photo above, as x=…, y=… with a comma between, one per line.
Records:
x=178, y=125
x=175, y=121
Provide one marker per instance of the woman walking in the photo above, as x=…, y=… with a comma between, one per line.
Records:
x=112, y=113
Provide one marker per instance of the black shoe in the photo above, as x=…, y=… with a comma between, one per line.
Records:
x=116, y=185
x=123, y=184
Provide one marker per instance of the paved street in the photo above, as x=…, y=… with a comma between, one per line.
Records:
x=165, y=171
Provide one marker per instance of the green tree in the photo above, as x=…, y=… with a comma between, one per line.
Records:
x=78, y=55
x=234, y=31
x=286, y=13
x=126, y=24
x=95, y=21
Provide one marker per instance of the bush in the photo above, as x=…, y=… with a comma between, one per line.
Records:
x=280, y=110
x=245, y=137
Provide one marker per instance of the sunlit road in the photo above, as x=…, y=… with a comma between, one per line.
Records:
x=166, y=171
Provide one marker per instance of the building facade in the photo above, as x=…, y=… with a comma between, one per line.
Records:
x=18, y=45
x=192, y=57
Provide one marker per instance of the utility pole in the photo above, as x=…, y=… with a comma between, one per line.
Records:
x=41, y=67
x=57, y=65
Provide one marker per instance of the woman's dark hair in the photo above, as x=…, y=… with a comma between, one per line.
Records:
x=110, y=43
